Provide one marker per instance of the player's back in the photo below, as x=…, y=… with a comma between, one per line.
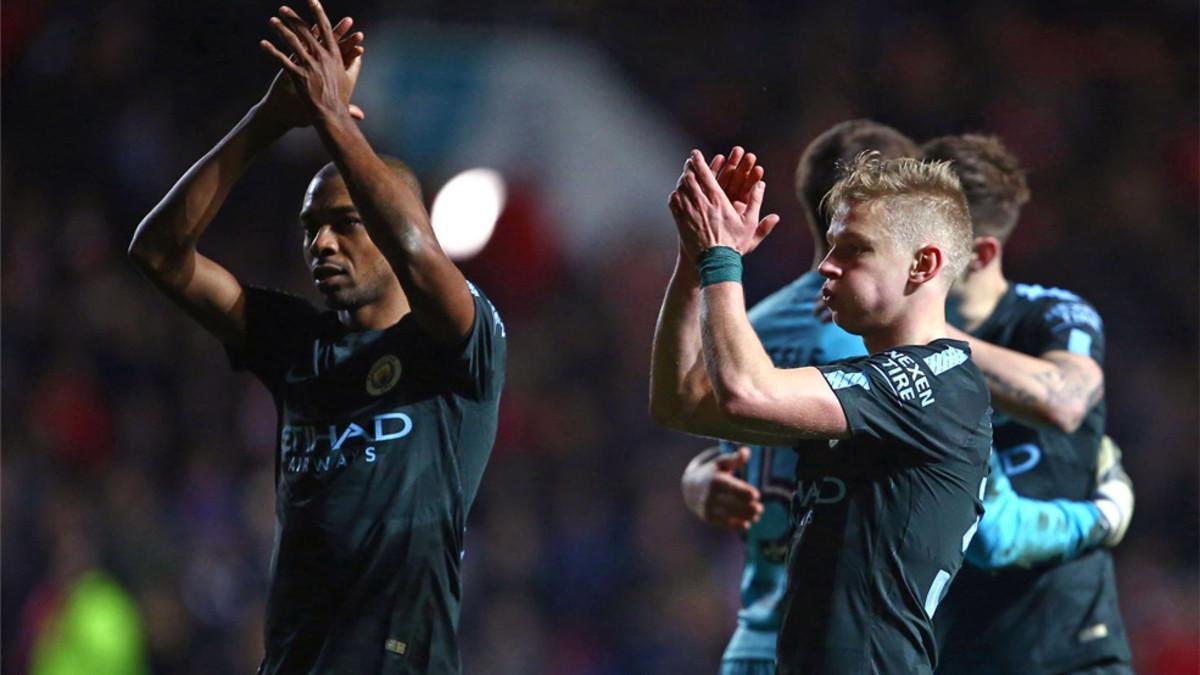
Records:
x=793, y=336
x=1053, y=617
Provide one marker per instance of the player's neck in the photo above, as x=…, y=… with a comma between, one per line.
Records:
x=383, y=313
x=977, y=293
x=919, y=324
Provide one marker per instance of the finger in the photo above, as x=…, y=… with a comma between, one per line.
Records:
x=733, y=460
x=768, y=223
x=339, y=30
x=736, y=524
x=300, y=29
x=342, y=26
x=352, y=40
x=705, y=178
x=355, y=67
x=741, y=183
x=693, y=194
x=356, y=112
x=765, y=226
x=717, y=162
x=726, y=177
x=323, y=21
x=735, y=157
x=727, y=483
x=754, y=203
x=284, y=61
x=724, y=507
x=740, y=509
x=299, y=51
x=743, y=455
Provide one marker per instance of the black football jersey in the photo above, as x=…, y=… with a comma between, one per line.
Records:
x=882, y=518
x=383, y=439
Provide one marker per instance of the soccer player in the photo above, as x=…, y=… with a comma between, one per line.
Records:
x=1014, y=530
x=1041, y=350
x=793, y=337
x=891, y=449
x=387, y=402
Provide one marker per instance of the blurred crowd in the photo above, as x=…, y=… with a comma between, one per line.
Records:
x=137, y=469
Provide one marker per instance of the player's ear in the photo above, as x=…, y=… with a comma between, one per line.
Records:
x=926, y=264
x=984, y=250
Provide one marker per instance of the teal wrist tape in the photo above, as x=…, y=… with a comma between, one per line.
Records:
x=719, y=263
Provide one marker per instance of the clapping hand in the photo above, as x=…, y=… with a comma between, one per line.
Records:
x=718, y=204
x=317, y=79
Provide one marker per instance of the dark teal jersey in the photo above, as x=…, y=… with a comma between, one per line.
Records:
x=383, y=440
x=1054, y=617
x=883, y=517
x=793, y=336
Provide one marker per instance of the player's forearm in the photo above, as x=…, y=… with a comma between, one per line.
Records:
x=170, y=231
x=392, y=211
x=737, y=364
x=677, y=379
x=752, y=395
x=397, y=222
x=1035, y=390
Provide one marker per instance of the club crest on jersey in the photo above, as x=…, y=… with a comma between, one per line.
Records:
x=383, y=375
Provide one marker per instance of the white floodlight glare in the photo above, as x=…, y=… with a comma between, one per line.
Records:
x=465, y=211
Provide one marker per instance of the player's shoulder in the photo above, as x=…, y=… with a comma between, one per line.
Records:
x=481, y=297
x=1056, y=306
x=1035, y=297
x=484, y=304
x=944, y=362
x=277, y=306
x=936, y=378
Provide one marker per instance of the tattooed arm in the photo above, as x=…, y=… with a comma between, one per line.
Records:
x=1055, y=389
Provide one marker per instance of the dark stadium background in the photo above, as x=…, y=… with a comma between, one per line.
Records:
x=129, y=446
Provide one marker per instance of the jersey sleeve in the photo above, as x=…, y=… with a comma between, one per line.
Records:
x=904, y=397
x=1016, y=531
x=479, y=364
x=277, y=325
x=1068, y=324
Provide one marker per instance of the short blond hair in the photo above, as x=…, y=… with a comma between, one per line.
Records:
x=991, y=177
x=922, y=203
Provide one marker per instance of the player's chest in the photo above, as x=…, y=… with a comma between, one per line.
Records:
x=335, y=378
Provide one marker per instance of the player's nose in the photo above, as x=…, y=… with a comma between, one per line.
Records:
x=324, y=243
x=828, y=269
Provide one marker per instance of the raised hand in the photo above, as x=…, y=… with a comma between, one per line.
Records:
x=738, y=177
x=318, y=78
x=706, y=215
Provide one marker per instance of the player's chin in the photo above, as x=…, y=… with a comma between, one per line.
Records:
x=848, y=322
x=339, y=298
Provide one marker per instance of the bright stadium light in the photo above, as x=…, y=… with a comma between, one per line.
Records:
x=465, y=211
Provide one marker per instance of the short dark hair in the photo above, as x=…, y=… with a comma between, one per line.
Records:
x=822, y=162
x=991, y=177
x=395, y=164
